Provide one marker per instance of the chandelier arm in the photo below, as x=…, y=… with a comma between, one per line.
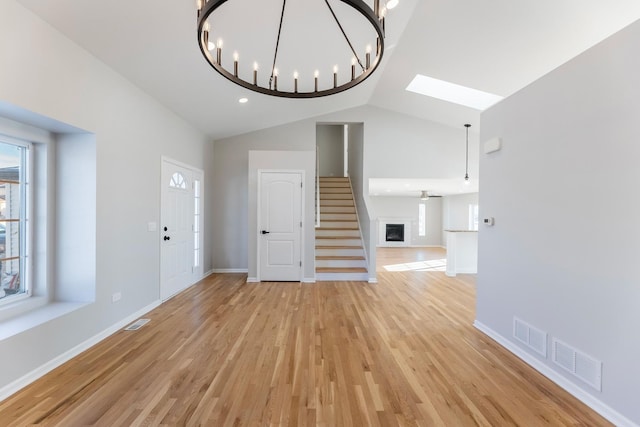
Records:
x=355, y=55
x=275, y=53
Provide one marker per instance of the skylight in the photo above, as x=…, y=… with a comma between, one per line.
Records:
x=452, y=92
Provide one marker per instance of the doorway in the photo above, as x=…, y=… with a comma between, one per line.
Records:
x=180, y=227
x=280, y=225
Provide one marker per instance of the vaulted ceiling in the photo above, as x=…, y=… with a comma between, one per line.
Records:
x=498, y=46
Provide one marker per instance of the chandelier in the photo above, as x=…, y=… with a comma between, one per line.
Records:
x=258, y=45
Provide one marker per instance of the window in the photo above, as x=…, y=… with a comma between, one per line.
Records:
x=13, y=219
x=473, y=217
x=196, y=223
x=422, y=220
x=178, y=181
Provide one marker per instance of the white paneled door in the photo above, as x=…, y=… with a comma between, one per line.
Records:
x=280, y=226
x=179, y=228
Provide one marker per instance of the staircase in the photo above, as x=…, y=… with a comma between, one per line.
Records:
x=339, y=251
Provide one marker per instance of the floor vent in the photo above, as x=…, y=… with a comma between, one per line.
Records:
x=579, y=364
x=137, y=325
x=532, y=337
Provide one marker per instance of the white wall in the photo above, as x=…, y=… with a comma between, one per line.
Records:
x=455, y=212
x=394, y=146
x=330, y=143
x=360, y=187
x=231, y=187
x=564, y=250
x=131, y=131
x=407, y=207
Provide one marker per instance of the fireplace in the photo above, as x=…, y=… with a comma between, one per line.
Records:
x=394, y=232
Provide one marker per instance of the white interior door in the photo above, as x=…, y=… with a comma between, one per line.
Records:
x=176, y=229
x=280, y=226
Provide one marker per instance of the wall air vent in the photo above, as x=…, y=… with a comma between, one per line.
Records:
x=532, y=337
x=137, y=325
x=579, y=364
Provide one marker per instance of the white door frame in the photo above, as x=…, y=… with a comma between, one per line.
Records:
x=302, y=216
x=199, y=174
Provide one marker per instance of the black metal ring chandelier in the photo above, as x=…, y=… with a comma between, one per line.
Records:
x=360, y=70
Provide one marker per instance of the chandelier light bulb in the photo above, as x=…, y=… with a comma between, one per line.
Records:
x=206, y=26
x=211, y=45
x=255, y=66
x=236, y=56
x=295, y=74
x=368, y=50
x=219, y=44
x=392, y=3
x=316, y=73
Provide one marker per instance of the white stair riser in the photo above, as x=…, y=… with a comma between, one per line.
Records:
x=355, y=277
x=337, y=209
x=341, y=233
x=339, y=242
x=330, y=186
x=341, y=263
x=350, y=216
x=334, y=190
x=339, y=252
x=335, y=196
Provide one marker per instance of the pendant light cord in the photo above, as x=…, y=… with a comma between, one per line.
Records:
x=275, y=54
x=355, y=55
x=466, y=167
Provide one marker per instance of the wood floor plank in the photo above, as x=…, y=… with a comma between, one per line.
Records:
x=402, y=352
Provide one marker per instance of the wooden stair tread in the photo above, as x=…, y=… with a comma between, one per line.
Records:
x=338, y=247
x=336, y=228
x=339, y=237
x=339, y=257
x=341, y=270
x=338, y=220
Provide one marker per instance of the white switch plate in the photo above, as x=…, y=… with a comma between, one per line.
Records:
x=116, y=297
x=152, y=226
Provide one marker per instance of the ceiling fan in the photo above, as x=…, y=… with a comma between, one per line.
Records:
x=424, y=195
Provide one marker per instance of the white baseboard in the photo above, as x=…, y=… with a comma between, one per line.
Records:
x=230, y=270
x=308, y=280
x=252, y=280
x=373, y=280
x=588, y=399
x=27, y=379
x=207, y=274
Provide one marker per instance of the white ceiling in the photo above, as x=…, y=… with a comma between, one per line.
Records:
x=497, y=46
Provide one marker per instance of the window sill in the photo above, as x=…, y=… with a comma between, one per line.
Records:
x=36, y=317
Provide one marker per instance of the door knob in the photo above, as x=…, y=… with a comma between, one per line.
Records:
x=165, y=229
x=264, y=232
x=167, y=238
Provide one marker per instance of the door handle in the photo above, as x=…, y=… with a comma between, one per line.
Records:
x=167, y=238
x=264, y=232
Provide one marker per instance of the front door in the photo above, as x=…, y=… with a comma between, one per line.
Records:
x=280, y=226
x=176, y=229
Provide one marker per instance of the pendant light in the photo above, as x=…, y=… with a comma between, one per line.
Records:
x=466, y=167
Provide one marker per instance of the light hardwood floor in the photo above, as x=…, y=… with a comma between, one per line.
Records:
x=229, y=353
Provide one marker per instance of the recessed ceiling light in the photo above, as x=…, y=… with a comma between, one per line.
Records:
x=392, y=3
x=452, y=92
x=243, y=100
